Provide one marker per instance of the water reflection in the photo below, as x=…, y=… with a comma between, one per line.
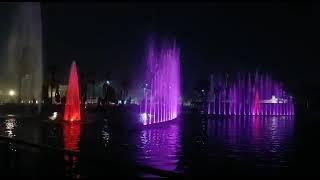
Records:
x=159, y=146
x=105, y=134
x=264, y=139
x=196, y=145
x=10, y=125
x=71, y=136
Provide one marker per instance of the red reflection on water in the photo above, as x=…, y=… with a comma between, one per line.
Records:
x=71, y=134
x=72, y=106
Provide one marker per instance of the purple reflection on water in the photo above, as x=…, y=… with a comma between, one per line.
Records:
x=249, y=143
x=159, y=146
x=267, y=140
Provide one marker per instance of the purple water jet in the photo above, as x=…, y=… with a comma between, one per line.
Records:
x=257, y=94
x=162, y=88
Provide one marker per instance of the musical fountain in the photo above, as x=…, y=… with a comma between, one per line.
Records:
x=251, y=94
x=72, y=106
x=162, y=88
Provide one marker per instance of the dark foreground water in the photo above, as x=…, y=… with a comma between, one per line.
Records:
x=193, y=145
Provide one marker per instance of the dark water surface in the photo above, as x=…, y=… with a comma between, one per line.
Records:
x=193, y=145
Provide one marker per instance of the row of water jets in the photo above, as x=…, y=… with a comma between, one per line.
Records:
x=248, y=94
x=252, y=94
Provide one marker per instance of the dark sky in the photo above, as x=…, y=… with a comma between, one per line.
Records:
x=276, y=37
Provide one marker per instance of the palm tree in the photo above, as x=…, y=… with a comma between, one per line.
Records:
x=124, y=87
x=52, y=81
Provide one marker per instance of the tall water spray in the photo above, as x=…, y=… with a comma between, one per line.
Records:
x=72, y=106
x=251, y=94
x=24, y=55
x=162, y=88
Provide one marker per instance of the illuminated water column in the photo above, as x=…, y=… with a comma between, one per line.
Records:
x=211, y=96
x=72, y=106
x=239, y=96
x=224, y=101
x=163, y=79
x=252, y=94
x=249, y=94
x=229, y=100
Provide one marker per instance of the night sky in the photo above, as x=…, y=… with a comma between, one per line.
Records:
x=279, y=38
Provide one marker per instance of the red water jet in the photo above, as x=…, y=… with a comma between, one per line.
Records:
x=72, y=106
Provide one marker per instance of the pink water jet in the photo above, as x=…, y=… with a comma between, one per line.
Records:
x=72, y=106
x=162, y=88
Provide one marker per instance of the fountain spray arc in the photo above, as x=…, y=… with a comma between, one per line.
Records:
x=162, y=88
x=72, y=106
x=251, y=94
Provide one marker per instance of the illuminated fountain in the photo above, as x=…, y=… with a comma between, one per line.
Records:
x=162, y=88
x=72, y=106
x=22, y=68
x=256, y=94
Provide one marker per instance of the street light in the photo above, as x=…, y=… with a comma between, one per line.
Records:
x=12, y=92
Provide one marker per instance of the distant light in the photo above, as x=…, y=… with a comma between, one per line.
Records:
x=202, y=90
x=12, y=93
x=146, y=84
x=174, y=115
x=36, y=101
x=274, y=99
x=108, y=82
x=54, y=116
x=125, y=102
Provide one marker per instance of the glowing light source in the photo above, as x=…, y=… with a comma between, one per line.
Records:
x=274, y=99
x=143, y=118
x=12, y=92
x=54, y=116
x=72, y=106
